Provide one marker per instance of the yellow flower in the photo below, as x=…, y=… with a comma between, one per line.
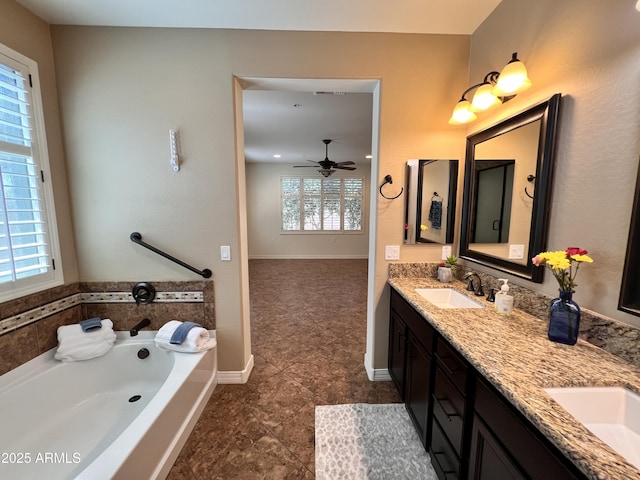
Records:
x=582, y=258
x=561, y=264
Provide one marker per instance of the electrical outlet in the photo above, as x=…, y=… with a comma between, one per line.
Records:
x=446, y=251
x=516, y=251
x=392, y=252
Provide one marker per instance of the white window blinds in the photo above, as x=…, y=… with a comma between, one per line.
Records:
x=321, y=204
x=25, y=246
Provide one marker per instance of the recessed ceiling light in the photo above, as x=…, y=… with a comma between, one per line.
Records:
x=276, y=155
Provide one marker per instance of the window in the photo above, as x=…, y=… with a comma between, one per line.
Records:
x=27, y=239
x=321, y=204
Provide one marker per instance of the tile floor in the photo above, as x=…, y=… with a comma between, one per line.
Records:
x=308, y=328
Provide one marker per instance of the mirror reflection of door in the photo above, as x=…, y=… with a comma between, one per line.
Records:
x=494, y=180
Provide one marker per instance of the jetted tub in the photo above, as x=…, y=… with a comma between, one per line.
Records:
x=116, y=416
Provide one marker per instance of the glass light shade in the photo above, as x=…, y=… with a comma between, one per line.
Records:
x=484, y=99
x=512, y=80
x=461, y=113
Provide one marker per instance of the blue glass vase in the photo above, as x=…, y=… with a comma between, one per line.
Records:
x=564, y=319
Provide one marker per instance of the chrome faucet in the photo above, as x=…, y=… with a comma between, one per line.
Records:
x=478, y=291
x=145, y=322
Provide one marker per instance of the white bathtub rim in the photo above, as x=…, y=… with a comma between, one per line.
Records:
x=111, y=459
x=105, y=465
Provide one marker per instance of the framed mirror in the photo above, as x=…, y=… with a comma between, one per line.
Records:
x=430, y=201
x=507, y=191
x=629, y=300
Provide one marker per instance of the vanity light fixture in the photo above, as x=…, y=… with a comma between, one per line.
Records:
x=495, y=89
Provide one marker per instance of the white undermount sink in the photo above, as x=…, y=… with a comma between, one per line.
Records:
x=447, y=298
x=610, y=413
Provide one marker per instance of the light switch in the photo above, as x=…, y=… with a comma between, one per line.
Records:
x=392, y=252
x=225, y=253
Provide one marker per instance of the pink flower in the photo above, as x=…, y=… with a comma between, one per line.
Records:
x=537, y=260
x=575, y=251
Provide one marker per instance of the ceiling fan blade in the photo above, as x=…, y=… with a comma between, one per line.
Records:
x=340, y=167
x=349, y=162
x=305, y=166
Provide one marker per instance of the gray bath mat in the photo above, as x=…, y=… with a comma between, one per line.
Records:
x=368, y=442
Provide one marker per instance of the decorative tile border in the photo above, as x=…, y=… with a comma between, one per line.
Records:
x=126, y=297
x=24, y=318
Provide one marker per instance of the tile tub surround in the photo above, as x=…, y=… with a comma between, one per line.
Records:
x=611, y=335
x=514, y=354
x=28, y=325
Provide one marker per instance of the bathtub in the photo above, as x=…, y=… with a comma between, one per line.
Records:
x=116, y=416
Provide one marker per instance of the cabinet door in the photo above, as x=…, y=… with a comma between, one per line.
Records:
x=418, y=386
x=526, y=446
x=397, y=350
x=489, y=460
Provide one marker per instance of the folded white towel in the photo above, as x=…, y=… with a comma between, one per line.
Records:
x=74, y=344
x=198, y=338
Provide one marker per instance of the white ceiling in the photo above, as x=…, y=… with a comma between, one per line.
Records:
x=401, y=16
x=273, y=125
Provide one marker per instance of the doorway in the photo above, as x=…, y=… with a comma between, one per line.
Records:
x=322, y=87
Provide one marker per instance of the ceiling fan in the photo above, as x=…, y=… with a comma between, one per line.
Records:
x=327, y=165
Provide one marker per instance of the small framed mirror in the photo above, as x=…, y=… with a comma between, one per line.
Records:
x=507, y=191
x=430, y=207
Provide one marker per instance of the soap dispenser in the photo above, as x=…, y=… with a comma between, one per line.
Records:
x=504, y=301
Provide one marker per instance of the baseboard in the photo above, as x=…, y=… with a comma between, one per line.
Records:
x=308, y=257
x=375, y=374
x=241, y=376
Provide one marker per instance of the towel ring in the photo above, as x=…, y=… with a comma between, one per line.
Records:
x=532, y=179
x=388, y=179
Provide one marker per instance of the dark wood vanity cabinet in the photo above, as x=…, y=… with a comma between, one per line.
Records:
x=449, y=447
x=412, y=336
x=397, y=351
x=469, y=429
x=504, y=445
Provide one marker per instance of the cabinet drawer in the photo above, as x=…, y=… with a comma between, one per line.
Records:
x=414, y=321
x=448, y=409
x=444, y=459
x=452, y=364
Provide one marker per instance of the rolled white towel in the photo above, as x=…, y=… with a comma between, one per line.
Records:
x=166, y=331
x=74, y=344
x=198, y=339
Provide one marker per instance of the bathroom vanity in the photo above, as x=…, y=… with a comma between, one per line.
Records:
x=472, y=382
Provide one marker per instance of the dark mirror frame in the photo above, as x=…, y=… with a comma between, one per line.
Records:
x=451, y=199
x=548, y=112
x=415, y=195
x=629, y=300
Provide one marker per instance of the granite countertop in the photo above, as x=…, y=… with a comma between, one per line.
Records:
x=514, y=354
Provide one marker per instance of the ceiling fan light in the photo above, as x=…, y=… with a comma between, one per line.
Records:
x=513, y=79
x=461, y=113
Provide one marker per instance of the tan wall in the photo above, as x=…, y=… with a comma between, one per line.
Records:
x=589, y=52
x=27, y=34
x=122, y=89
